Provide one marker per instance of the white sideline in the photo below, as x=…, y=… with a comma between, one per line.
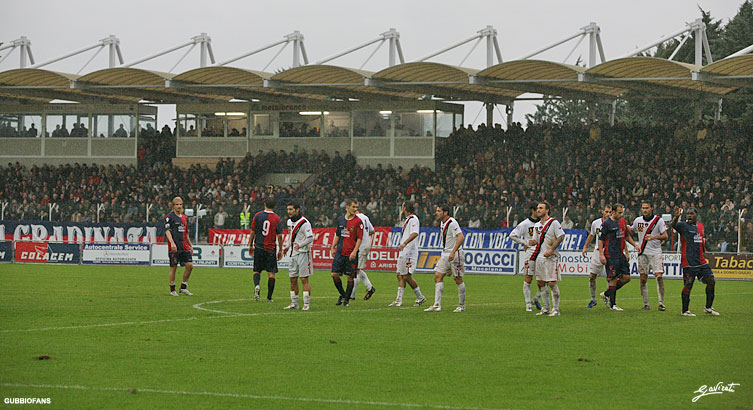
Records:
x=224, y=314
x=241, y=396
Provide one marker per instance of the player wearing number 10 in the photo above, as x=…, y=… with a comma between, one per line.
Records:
x=265, y=227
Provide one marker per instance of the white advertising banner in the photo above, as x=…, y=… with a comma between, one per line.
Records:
x=575, y=264
x=203, y=255
x=239, y=257
x=115, y=254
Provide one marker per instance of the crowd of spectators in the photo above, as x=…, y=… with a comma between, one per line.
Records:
x=488, y=174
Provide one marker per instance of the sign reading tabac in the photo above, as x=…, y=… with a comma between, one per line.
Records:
x=731, y=266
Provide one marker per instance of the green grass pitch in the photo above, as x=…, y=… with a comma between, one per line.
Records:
x=117, y=340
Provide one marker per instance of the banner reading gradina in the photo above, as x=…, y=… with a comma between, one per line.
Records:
x=82, y=232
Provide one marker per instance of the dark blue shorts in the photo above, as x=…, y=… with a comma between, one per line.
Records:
x=180, y=257
x=692, y=272
x=342, y=265
x=617, y=267
x=265, y=260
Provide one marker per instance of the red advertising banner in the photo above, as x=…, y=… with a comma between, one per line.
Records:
x=31, y=252
x=322, y=236
x=380, y=259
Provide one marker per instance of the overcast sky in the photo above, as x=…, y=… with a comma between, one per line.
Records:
x=56, y=28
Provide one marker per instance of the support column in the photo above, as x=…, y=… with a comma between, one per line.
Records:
x=489, y=114
x=509, y=110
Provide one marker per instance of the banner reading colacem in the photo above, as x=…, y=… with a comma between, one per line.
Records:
x=44, y=252
x=115, y=254
x=203, y=255
x=6, y=252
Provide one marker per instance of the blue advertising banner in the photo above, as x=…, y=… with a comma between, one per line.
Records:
x=6, y=252
x=81, y=232
x=63, y=253
x=487, y=239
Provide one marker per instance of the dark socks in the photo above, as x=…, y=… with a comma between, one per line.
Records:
x=612, y=293
x=339, y=286
x=257, y=279
x=172, y=288
x=620, y=284
x=270, y=288
x=183, y=285
x=686, y=299
x=709, y=296
x=349, y=290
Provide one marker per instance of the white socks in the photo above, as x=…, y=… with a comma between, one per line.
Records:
x=660, y=289
x=527, y=292
x=438, y=289
x=365, y=279
x=461, y=294
x=592, y=288
x=545, y=297
x=306, y=298
x=293, y=298
x=556, y=296
x=417, y=291
x=400, y=292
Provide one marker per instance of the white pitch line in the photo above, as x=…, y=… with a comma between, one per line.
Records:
x=242, y=396
x=224, y=314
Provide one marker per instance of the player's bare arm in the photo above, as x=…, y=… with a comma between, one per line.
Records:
x=556, y=245
x=676, y=217
x=355, y=249
x=170, y=241
x=251, y=243
x=458, y=243
x=407, y=241
x=333, y=248
x=601, y=253
x=589, y=239
x=279, y=246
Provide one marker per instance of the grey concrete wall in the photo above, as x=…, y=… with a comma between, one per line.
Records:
x=113, y=147
x=283, y=179
x=12, y=147
x=69, y=147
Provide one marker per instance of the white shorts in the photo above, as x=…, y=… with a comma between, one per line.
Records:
x=546, y=269
x=529, y=266
x=653, y=262
x=595, y=267
x=301, y=265
x=363, y=254
x=406, y=264
x=455, y=267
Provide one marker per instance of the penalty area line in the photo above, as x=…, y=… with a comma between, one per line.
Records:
x=240, y=396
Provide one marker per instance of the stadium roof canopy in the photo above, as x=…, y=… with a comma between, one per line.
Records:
x=499, y=83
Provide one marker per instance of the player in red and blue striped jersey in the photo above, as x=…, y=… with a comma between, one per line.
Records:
x=348, y=239
x=693, y=259
x=613, y=254
x=265, y=246
x=179, y=245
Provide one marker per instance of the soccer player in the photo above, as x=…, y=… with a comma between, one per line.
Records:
x=348, y=239
x=451, y=261
x=613, y=254
x=363, y=255
x=265, y=227
x=694, y=265
x=408, y=256
x=301, y=264
x=548, y=237
x=595, y=268
x=523, y=234
x=180, y=246
x=651, y=232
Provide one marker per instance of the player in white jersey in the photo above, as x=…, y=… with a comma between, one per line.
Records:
x=651, y=231
x=451, y=262
x=523, y=234
x=549, y=236
x=363, y=255
x=301, y=264
x=408, y=256
x=595, y=267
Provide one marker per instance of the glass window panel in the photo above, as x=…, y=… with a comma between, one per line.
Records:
x=10, y=125
x=61, y=125
x=147, y=124
x=300, y=124
x=414, y=123
x=213, y=125
x=337, y=124
x=237, y=125
x=187, y=125
x=263, y=124
x=444, y=124
x=372, y=123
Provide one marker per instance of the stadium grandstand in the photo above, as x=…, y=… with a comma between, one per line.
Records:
x=398, y=133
